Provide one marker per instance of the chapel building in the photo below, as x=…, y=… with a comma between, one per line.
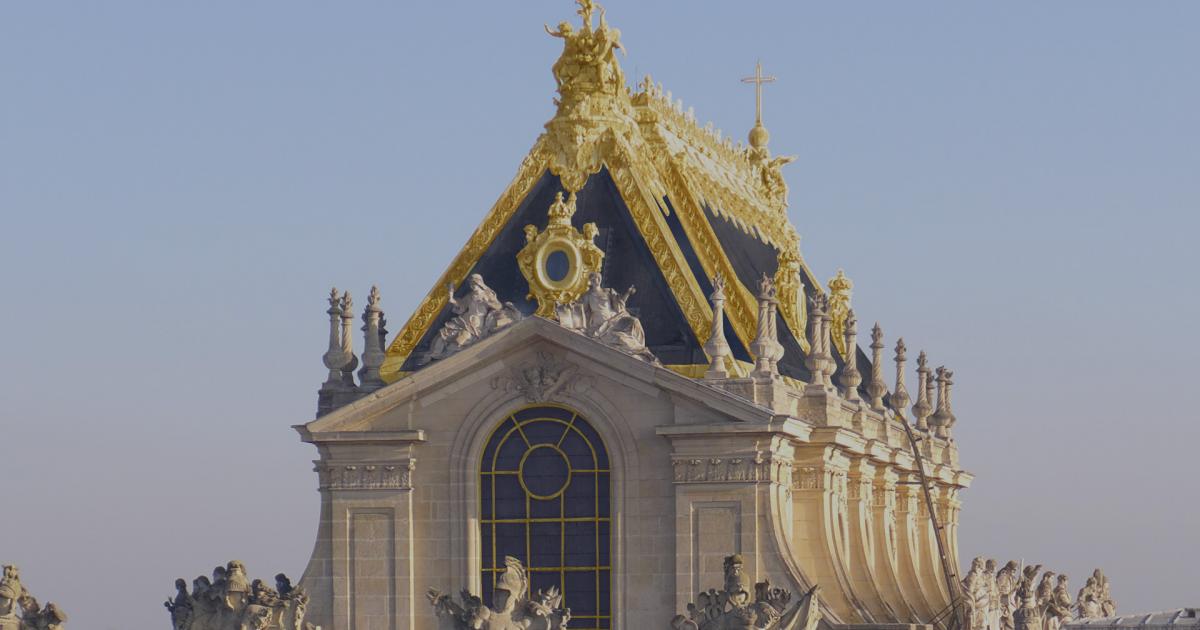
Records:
x=626, y=377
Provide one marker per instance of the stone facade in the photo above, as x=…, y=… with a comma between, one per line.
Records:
x=807, y=487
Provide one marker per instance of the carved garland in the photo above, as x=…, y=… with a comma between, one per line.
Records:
x=394, y=475
x=750, y=468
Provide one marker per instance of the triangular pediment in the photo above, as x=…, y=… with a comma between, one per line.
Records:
x=503, y=355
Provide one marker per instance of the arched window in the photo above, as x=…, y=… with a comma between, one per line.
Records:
x=544, y=498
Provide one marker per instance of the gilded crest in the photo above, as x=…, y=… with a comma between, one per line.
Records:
x=557, y=261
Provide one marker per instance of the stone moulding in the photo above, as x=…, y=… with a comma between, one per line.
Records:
x=389, y=475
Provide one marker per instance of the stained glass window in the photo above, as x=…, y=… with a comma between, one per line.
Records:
x=544, y=498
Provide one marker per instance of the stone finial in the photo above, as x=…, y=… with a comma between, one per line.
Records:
x=899, y=398
x=923, y=407
x=373, y=354
x=876, y=387
x=333, y=356
x=840, y=289
x=816, y=326
x=766, y=345
x=851, y=378
x=716, y=346
x=828, y=365
x=349, y=361
x=944, y=416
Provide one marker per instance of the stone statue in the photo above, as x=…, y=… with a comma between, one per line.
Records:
x=477, y=315
x=231, y=601
x=1058, y=612
x=1006, y=588
x=1108, y=607
x=510, y=609
x=14, y=595
x=993, y=595
x=975, y=588
x=1087, y=602
x=1028, y=615
x=1045, y=597
x=732, y=608
x=10, y=593
x=601, y=314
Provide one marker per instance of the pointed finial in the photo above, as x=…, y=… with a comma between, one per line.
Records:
x=923, y=406
x=717, y=347
x=766, y=344
x=349, y=361
x=333, y=355
x=758, y=134
x=944, y=416
x=899, y=397
x=877, y=388
x=373, y=354
x=851, y=378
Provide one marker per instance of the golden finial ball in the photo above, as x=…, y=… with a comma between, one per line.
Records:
x=759, y=136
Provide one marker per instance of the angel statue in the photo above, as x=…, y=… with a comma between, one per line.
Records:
x=510, y=609
x=601, y=314
x=477, y=315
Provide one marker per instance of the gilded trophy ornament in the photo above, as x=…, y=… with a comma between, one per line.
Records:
x=839, y=308
x=557, y=261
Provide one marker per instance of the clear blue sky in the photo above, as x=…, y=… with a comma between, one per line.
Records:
x=1012, y=186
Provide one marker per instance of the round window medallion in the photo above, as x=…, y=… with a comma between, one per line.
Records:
x=545, y=472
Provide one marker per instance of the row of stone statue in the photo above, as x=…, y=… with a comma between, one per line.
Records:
x=600, y=313
x=230, y=601
x=1013, y=598
x=32, y=616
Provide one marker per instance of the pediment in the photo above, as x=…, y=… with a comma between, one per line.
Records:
x=536, y=359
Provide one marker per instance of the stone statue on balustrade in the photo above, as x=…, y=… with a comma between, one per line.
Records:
x=1006, y=588
x=230, y=601
x=993, y=595
x=1058, y=610
x=1028, y=614
x=601, y=314
x=510, y=609
x=975, y=587
x=14, y=596
x=732, y=607
x=477, y=315
x=1095, y=599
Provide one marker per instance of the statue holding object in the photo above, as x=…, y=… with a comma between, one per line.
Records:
x=601, y=314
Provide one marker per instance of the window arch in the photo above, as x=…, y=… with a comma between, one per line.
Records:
x=544, y=498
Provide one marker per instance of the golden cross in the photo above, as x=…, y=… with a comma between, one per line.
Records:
x=758, y=80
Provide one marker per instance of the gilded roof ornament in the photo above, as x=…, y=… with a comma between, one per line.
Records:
x=839, y=308
x=593, y=99
x=557, y=261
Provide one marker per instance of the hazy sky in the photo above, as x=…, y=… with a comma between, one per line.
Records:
x=1013, y=186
